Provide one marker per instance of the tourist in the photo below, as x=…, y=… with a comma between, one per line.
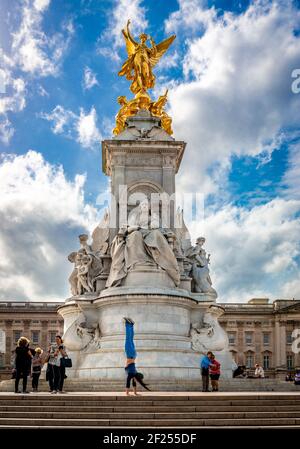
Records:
x=130, y=368
x=240, y=372
x=205, y=363
x=289, y=377
x=259, y=371
x=297, y=377
x=214, y=372
x=57, y=370
x=22, y=363
x=36, y=369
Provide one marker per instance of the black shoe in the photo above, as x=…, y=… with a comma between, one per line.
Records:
x=128, y=320
x=17, y=392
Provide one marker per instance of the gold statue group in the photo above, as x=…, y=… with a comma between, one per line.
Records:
x=138, y=69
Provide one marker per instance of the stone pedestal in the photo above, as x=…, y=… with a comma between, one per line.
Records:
x=162, y=334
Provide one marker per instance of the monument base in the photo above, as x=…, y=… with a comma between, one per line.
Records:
x=163, y=319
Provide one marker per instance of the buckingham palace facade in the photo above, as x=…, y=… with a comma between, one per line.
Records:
x=259, y=331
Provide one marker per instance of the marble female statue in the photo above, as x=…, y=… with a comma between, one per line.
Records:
x=141, y=60
x=88, y=259
x=142, y=243
x=200, y=271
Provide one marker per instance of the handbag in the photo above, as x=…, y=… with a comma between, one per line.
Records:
x=66, y=362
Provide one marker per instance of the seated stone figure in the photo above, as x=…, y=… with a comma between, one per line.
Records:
x=142, y=243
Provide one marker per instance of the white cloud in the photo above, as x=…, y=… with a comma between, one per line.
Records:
x=291, y=178
x=12, y=100
x=33, y=50
x=6, y=131
x=89, y=79
x=88, y=133
x=61, y=118
x=112, y=39
x=191, y=16
x=291, y=289
x=236, y=97
x=41, y=214
x=82, y=128
x=254, y=252
x=35, y=53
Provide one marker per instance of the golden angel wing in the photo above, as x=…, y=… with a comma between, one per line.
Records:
x=130, y=42
x=161, y=48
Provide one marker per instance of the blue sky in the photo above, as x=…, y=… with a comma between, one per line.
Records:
x=229, y=79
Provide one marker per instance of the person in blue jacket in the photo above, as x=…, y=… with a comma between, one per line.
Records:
x=204, y=365
x=132, y=374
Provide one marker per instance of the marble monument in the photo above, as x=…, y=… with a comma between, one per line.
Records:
x=140, y=261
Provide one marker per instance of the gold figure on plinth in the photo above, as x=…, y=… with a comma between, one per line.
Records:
x=141, y=59
x=157, y=109
x=138, y=69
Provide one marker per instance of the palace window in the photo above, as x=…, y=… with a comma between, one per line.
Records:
x=17, y=335
x=266, y=338
x=231, y=338
x=289, y=338
x=249, y=360
x=1, y=360
x=52, y=336
x=266, y=363
x=35, y=337
x=290, y=361
x=248, y=338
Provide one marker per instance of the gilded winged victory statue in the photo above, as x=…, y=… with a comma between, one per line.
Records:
x=141, y=60
x=138, y=69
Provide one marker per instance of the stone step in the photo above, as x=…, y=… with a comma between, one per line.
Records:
x=141, y=404
x=150, y=410
x=79, y=423
x=158, y=395
x=154, y=415
x=129, y=409
x=171, y=385
x=66, y=400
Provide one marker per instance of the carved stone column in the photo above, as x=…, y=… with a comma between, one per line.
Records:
x=44, y=335
x=240, y=343
x=276, y=346
x=283, y=343
x=27, y=329
x=258, y=343
x=9, y=341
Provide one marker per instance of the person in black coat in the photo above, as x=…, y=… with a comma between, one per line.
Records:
x=23, y=363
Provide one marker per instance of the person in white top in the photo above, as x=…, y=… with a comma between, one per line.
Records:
x=57, y=370
x=259, y=371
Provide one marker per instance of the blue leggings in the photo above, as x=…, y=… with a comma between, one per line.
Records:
x=129, y=343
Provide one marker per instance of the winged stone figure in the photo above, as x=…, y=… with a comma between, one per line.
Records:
x=141, y=60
